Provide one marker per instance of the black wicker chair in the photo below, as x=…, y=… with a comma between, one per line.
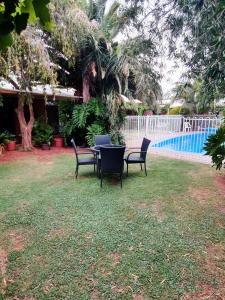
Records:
x=102, y=139
x=83, y=161
x=112, y=161
x=141, y=158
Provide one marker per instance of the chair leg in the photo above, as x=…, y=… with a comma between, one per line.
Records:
x=98, y=169
x=141, y=167
x=94, y=168
x=121, y=181
x=127, y=169
x=101, y=179
x=145, y=169
x=76, y=172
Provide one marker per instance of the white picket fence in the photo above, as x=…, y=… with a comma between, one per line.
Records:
x=177, y=135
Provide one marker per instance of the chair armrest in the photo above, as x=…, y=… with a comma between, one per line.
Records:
x=79, y=153
x=136, y=152
x=134, y=147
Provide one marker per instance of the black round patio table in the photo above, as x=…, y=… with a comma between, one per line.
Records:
x=96, y=149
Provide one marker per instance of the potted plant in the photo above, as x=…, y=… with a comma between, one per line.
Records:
x=42, y=135
x=58, y=141
x=7, y=139
x=2, y=142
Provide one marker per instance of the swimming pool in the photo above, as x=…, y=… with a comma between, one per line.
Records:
x=193, y=142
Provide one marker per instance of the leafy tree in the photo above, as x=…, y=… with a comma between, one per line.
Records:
x=199, y=28
x=24, y=64
x=16, y=14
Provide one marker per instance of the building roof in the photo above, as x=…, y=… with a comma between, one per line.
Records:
x=40, y=90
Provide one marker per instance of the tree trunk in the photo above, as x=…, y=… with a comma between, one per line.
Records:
x=86, y=89
x=25, y=127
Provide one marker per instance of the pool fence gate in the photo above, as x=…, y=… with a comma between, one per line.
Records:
x=172, y=135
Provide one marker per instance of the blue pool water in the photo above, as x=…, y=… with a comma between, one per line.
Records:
x=193, y=142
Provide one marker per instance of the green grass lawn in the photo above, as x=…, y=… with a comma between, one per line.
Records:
x=160, y=237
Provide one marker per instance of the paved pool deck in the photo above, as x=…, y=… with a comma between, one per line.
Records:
x=133, y=140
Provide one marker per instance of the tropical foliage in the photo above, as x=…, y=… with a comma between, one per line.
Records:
x=16, y=14
x=215, y=147
x=196, y=36
x=42, y=133
x=81, y=51
x=86, y=120
x=104, y=68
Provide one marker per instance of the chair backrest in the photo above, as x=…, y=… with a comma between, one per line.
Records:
x=102, y=139
x=112, y=159
x=75, y=148
x=144, y=147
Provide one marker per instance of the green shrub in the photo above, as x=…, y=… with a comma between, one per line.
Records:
x=215, y=147
x=84, y=121
x=180, y=111
x=42, y=133
x=92, y=130
x=117, y=137
x=5, y=137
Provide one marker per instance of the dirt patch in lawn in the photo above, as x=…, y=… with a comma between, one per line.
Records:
x=48, y=286
x=211, y=263
x=143, y=205
x=17, y=240
x=220, y=183
x=39, y=153
x=115, y=257
x=138, y=297
x=201, y=195
x=3, y=265
x=157, y=211
x=22, y=206
x=40, y=260
x=214, y=255
x=204, y=291
x=119, y=289
x=95, y=295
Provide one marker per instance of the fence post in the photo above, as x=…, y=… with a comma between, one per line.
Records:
x=138, y=126
x=146, y=126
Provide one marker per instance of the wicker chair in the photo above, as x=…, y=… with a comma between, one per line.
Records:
x=102, y=139
x=83, y=161
x=112, y=161
x=141, y=158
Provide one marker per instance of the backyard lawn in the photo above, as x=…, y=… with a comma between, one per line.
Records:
x=160, y=237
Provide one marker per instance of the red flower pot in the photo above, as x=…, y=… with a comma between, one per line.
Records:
x=45, y=147
x=58, y=142
x=11, y=146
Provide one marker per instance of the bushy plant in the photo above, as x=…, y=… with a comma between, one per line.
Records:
x=164, y=109
x=83, y=120
x=179, y=111
x=42, y=133
x=6, y=137
x=117, y=137
x=215, y=147
x=92, y=130
x=86, y=120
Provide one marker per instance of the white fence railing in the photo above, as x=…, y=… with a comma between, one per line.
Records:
x=175, y=133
